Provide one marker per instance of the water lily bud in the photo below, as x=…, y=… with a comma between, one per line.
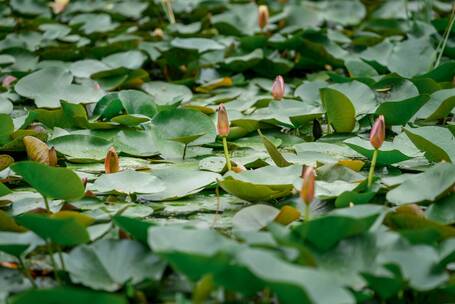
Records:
x=278, y=88
x=59, y=6
x=84, y=181
x=111, y=162
x=53, y=157
x=377, y=134
x=8, y=80
x=223, y=121
x=309, y=180
x=263, y=16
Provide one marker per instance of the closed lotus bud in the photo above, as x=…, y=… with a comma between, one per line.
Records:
x=53, y=157
x=223, y=121
x=263, y=16
x=278, y=88
x=111, y=162
x=8, y=80
x=84, y=181
x=309, y=180
x=59, y=6
x=377, y=134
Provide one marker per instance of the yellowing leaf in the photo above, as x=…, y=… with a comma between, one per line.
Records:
x=353, y=164
x=37, y=150
x=287, y=215
x=82, y=219
x=215, y=84
x=5, y=161
x=7, y=223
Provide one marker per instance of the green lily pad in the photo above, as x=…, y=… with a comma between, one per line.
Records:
x=427, y=186
x=81, y=148
x=388, y=154
x=96, y=265
x=325, y=231
x=165, y=93
x=63, y=231
x=185, y=126
x=261, y=184
x=67, y=295
x=436, y=142
x=128, y=182
x=50, y=85
x=51, y=182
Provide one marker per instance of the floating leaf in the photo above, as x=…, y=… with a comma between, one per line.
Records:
x=427, y=186
x=97, y=265
x=58, y=183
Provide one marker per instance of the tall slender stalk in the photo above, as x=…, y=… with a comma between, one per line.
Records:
x=26, y=271
x=54, y=264
x=167, y=6
x=307, y=212
x=373, y=164
x=442, y=46
x=184, y=151
x=46, y=203
x=60, y=256
x=226, y=154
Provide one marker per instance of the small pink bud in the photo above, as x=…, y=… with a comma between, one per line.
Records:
x=8, y=80
x=309, y=180
x=59, y=6
x=263, y=16
x=278, y=88
x=84, y=181
x=223, y=121
x=111, y=162
x=53, y=159
x=377, y=134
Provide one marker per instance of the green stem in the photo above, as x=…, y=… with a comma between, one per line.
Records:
x=46, y=203
x=26, y=272
x=226, y=154
x=373, y=164
x=307, y=214
x=445, y=37
x=184, y=152
x=60, y=257
x=167, y=6
x=54, y=264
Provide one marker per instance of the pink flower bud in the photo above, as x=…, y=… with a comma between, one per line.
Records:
x=59, y=6
x=377, y=134
x=223, y=121
x=263, y=16
x=8, y=80
x=278, y=88
x=53, y=159
x=309, y=180
x=111, y=162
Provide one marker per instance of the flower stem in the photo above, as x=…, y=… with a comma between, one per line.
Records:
x=26, y=271
x=226, y=154
x=46, y=203
x=60, y=256
x=445, y=37
x=54, y=264
x=184, y=151
x=307, y=214
x=373, y=164
x=167, y=6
